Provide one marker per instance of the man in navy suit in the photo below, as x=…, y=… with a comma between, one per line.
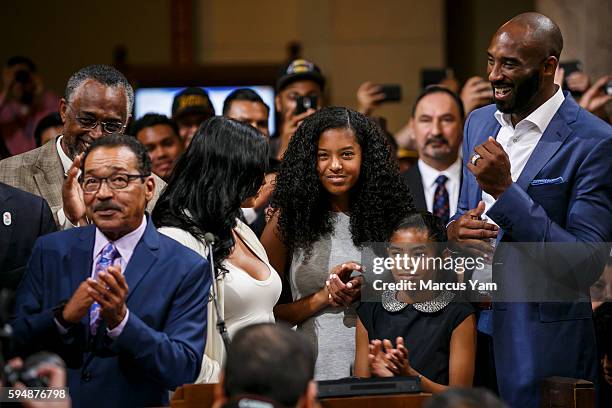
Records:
x=25, y=217
x=123, y=305
x=536, y=169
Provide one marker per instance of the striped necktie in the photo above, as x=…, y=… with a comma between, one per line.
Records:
x=441, y=205
x=108, y=255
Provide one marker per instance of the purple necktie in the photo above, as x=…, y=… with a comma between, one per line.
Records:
x=107, y=257
x=440, y=205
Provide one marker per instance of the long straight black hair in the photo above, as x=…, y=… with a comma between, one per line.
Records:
x=222, y=167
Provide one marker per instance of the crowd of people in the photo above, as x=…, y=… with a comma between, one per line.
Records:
x=196, y=248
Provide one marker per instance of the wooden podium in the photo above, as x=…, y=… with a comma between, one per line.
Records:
x=193, y=395
x=202, y=395
x=387, y=401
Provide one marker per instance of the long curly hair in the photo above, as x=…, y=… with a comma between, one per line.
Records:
x=377, y=201
x=222, y=167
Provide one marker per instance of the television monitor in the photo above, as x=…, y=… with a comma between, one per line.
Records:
x=159, y=100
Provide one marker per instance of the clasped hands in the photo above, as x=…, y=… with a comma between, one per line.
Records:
x=344, y=290
x=110, y=292
x=388, y=361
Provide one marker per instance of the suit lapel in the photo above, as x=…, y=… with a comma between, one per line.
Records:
x=143, y=258
x=552, y=139
x=490, y=129
x=81, y=257
x=7, y=230
x=49, y=176
x=415, y=183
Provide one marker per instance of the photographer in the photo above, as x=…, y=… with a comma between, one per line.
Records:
x=23, y=102
x=56, y=375
x=299, y=93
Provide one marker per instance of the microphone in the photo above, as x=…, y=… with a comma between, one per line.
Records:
x=210, y=240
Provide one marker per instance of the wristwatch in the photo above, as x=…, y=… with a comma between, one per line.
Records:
x=58, y=314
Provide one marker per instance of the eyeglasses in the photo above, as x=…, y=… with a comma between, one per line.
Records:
x=91, y=184
x=91, y=123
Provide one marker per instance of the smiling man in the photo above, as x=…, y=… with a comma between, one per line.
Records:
x=101, y=296
x=538, y=166
x=437, y=123
x=160, y=136
x=98, y=100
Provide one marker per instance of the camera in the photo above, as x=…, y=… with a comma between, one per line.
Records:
x=303, y=103
x=28, y=373
x=22, y=76
x=393, y=93
x=608, y=87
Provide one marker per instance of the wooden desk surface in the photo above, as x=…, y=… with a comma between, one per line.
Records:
x=387, y=401
x=201, y=395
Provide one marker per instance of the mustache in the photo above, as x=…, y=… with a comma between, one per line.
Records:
x=103, y=206
x=436, y=139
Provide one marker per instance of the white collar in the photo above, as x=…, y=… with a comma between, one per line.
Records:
x=66, y=162
x=540, y=117
x=125, y=245
x=429, y=174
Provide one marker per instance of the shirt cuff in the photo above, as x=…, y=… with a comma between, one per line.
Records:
x=63, y=221
x=62, y=330
x=116, y=332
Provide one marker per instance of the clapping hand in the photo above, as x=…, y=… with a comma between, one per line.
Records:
x=389, y=361
x=110, y=293
x=344, y=290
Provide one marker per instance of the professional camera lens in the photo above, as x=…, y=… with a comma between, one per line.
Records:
x=28, y=374
x=22, y=76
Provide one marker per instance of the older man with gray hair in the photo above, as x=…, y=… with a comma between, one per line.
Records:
x=98, y=100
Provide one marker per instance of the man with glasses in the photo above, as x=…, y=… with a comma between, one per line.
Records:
x=98, y=100
x=123, y=305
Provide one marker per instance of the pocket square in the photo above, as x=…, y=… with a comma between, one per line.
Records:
x=540, y=182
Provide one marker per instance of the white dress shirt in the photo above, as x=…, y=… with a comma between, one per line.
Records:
x=453, y=183
x=520, y=140
x=64, y=222
x=125, y=246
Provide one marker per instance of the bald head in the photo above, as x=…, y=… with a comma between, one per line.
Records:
x=536, y=31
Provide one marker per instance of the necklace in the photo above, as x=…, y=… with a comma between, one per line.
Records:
x=391, y=304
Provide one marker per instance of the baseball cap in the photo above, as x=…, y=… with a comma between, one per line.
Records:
x=192, y=100
x=299, y=69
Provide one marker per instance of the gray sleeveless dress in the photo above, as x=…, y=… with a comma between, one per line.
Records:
x=332, y=330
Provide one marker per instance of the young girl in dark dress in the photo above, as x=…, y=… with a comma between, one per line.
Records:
x=434, y=332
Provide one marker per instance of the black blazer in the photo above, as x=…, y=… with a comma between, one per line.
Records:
x=28, y=216
x=412, y=178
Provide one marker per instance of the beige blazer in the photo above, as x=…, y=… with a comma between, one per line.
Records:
x=40, y=172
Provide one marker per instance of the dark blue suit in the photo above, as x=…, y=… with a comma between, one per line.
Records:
x=571, y=203
x=160, y=347
x=25, y=217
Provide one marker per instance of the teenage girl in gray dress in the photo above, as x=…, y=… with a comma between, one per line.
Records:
x=338, y=187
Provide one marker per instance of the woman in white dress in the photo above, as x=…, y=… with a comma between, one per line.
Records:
x=220, y=172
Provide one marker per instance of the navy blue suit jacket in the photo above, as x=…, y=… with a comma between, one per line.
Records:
x=571, y=204
x=160, y=347
x=27, y=217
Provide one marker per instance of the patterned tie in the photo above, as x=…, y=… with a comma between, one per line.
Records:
x=108, y=256
x=440, y=205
